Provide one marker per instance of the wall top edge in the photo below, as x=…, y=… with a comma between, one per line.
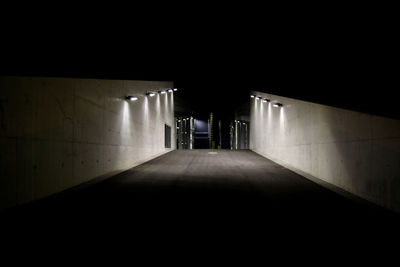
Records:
x=288, y=100
x=79, y=78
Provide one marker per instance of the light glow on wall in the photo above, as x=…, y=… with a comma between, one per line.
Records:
x=282, y=123
x=125, y=122
x=158, y=110
x=269, y=111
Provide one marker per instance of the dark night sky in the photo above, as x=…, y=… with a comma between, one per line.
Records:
x=220, y=82
x=215, y=65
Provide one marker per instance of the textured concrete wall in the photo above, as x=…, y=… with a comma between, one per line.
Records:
x=56, y=133
x=357, y=152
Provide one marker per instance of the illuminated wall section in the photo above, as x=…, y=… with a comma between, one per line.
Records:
x=357, y=152
x=56, y=133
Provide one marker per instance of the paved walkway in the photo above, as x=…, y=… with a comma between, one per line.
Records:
x=198, y=194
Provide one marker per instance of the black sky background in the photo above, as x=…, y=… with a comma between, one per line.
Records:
x=216, y=60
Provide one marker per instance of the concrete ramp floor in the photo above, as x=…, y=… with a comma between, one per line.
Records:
x=192, y=195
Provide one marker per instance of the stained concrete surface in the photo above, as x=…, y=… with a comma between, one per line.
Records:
x=357, y=152
x=56, y=133
x=229, y=198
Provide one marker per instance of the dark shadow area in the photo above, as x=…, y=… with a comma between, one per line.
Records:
x=339, y=63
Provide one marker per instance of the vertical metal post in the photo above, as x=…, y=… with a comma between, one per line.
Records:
x=236, y=136
x=220, y=135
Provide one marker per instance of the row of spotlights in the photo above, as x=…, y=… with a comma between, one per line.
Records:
x=162, y=92
x=266, y=100
x=169, y=91
x=134, y=98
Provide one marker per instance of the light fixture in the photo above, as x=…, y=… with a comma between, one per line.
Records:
x=175, y=89
x=131, y=98
x=258, y=97
x=151, y=94
x=277, y=105
x=170, y=90
x=252, y=96
x=162, y=92
x=265, y=100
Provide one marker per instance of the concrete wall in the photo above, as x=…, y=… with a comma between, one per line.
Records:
x=56, y=133
x=357, y=152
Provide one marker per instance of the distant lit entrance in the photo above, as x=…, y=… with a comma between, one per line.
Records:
x=211, y=133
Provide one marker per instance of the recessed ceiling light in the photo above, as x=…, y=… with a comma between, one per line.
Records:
x=131, y=98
